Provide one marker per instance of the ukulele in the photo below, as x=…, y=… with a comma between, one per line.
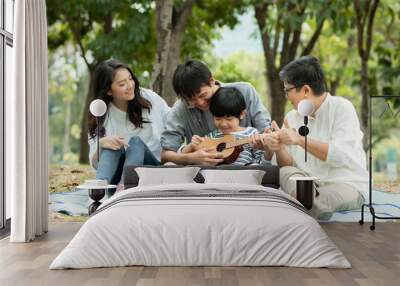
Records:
x=228, y=145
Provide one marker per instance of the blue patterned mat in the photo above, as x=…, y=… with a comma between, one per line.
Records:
x=76, y=203
x=385, y=205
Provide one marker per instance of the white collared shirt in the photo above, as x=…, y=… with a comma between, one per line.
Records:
x=336, y=123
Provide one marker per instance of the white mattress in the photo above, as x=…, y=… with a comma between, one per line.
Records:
x=185, y=230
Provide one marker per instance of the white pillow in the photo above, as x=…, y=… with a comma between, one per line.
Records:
x=166, y=176
x=248, y=177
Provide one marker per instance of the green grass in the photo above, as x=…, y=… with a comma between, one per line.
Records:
x=382, y=183
x=57, y=217
x=64, y=178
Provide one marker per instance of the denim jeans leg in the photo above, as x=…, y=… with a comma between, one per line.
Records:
x=139, y=154
x=110, y=165
x=149, y=158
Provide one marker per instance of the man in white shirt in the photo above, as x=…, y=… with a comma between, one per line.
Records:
x=334, y=142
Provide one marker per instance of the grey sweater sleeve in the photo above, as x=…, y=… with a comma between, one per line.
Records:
x=260, y=117
x=174, y=133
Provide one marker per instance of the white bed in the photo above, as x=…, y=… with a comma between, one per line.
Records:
x=201, y=224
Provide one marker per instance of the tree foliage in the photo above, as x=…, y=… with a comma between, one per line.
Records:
x=125, y=29
x=184, y=30
x=68, y=85
x=103, y=29
x=290, y=29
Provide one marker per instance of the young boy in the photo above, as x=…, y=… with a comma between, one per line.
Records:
x=194, y=86
x=228, y=107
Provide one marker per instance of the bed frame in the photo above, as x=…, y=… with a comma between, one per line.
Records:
x=270, y=179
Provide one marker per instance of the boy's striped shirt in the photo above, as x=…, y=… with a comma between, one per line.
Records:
x=249, y=155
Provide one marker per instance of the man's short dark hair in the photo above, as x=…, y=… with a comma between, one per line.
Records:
x=190, y=77
x=227, y=101
x=304, y=70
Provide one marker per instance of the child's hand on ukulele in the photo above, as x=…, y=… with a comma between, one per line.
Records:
x=192, y=146
x=196, y=140
x=256, y=141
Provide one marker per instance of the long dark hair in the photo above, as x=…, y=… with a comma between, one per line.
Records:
x=102, y=79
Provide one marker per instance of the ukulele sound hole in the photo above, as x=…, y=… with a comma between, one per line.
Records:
x=221, y=147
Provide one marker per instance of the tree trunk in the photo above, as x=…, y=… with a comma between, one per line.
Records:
x=289, y=44
x=83, y=141
x=172, y=63
x=164, y=10
x=333, y=87
x=278, y=100
x=365, y=14
x=364, y=102
x=67, y=124
x=168, y=52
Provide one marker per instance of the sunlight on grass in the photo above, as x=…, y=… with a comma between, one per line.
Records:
x=382, y=183
x=64, y=178
x=57, y=217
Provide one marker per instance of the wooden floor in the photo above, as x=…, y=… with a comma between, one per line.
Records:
x=375, y=257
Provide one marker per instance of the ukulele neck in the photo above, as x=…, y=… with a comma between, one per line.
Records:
x=238, y=142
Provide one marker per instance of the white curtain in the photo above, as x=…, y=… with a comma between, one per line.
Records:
x=26, y=124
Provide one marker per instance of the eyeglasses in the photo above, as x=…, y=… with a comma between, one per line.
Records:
x=286, y=90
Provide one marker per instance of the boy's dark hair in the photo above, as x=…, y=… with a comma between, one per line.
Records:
x=189, y=78
x=304, y=70
x=227, y=101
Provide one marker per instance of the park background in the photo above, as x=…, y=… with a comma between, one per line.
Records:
x=357, y=42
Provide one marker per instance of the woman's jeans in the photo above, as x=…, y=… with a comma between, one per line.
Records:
x=112, y=162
